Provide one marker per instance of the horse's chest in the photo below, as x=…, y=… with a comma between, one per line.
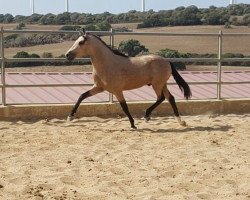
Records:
x=101, y=81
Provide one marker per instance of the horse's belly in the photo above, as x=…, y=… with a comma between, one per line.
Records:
x=134, y=85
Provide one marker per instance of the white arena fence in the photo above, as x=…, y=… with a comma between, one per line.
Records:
x=111, y=34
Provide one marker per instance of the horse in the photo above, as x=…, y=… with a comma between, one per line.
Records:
x=115, y=72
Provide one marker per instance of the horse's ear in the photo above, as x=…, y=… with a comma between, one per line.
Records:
x=82, y=32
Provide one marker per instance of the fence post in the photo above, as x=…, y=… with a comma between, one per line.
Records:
x=3, y=69
x=111, y=97
x=219, y=65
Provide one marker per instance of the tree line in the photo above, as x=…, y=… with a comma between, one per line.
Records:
x=20, y=40
x=190, y=15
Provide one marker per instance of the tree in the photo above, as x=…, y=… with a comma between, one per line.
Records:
x=34, y=18
x=74, y=16
x=63, y=18
x=152, y=22
x=236, y=9
x=216, y=17
x=85, y=19
x=132, y=47
x=8, y=18
x=180, y=8
x=1, y=18
x=20, y=19
x=47, y=19
x=247, y=10
x=191, y=16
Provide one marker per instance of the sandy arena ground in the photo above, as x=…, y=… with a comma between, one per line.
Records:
x=102, y=159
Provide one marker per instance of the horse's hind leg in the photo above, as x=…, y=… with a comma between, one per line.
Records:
x=160, y=99
x=83, y=96
x=124, y=106
x=171, y=100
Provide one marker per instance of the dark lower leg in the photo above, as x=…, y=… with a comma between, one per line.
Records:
x=173, y=104
x=171, y=100
x=125, y=109
x=151, y=108
x=80, y=99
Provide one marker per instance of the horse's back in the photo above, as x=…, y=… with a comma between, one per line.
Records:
x=152, y=61
x=153, y=64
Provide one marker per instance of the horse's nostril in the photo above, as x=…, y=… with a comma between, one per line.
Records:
x=70, y=56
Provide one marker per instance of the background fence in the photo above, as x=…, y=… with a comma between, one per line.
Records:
x=112, y=34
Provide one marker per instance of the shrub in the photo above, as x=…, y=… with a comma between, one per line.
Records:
x=246, y=20
x=47, y=55
x=227, y=25
x=20, y=26
x=103, y=26
x=122, y=29
x=16, y=40
x=90, y=27
x=34, y=55
x=169, y=53
x=10, y=37
x=21, y=41
x=24, y=54
x=132, y=47
x=179, y=65
x=70, y=28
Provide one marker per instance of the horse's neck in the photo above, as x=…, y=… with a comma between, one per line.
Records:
x=101, y=58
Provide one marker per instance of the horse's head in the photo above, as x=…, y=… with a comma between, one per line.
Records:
x=79, y=48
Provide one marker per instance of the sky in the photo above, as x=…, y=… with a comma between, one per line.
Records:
x=22, y=7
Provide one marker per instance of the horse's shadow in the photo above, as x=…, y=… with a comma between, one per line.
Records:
x=83, y=123
x=187, y=129
x=205, y=129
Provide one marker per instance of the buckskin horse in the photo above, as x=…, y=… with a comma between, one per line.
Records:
x=115, y=72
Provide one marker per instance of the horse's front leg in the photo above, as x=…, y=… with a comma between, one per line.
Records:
x=83, y=96
x=124, y=106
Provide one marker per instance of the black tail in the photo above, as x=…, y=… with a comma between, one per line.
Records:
x=181, y=82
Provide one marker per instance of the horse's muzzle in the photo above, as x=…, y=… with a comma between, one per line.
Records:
x=70, y=56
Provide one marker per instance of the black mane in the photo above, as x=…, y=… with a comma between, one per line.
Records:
x=115, y=51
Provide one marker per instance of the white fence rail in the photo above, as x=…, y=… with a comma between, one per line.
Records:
x=112, y=34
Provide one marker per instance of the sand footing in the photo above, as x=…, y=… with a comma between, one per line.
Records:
x=92, y=158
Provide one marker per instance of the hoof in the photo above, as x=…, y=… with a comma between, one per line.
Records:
x=133, y=127
x=70, y=118
x=183, y=123
x=147, y=118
